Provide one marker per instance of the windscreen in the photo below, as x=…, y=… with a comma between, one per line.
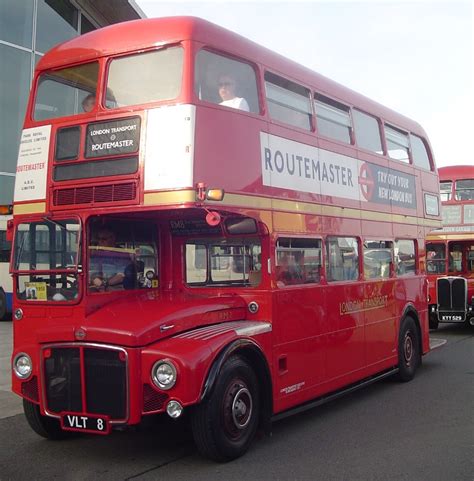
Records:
x=67, y=91
x=145, y=77
x=46, y=258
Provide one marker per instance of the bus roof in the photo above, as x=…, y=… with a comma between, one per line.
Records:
x=456, y=172
x=143, y=34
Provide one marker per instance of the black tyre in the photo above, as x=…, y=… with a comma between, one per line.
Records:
x=225, y=423
x=409, y=354
x=434, y=323
x=46, y=427
x=3, y=305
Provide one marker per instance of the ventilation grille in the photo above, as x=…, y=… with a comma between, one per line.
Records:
x=95, y=194
x=152, y=399
x=29, y=389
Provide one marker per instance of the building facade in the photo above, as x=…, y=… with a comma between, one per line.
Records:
x=28, y=29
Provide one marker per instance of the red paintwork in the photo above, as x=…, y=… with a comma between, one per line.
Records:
x=465, y=238
x=311, y=345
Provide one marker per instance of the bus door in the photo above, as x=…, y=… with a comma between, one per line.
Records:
x=344, y=309
x=298, y=317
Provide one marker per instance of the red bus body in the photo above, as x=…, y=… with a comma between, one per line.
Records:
x=451, y=277
x=330, y=329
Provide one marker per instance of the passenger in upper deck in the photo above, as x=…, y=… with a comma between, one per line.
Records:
x=88, y=103
x=227, y=92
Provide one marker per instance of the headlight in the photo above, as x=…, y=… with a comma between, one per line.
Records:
x=22, y=366
x=163, y=374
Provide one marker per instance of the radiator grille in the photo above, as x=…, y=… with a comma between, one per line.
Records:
x=95, y=194
x=104, y=388
x=452, y=294
x=152, y=399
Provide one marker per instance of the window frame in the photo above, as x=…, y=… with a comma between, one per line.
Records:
x=278, y=249
x=379, y=122
x=231, y=57
x=310, y=99
x=338, y=107
x=106, y=75
x=327, y=259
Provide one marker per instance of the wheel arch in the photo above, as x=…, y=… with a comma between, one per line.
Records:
x=254, y=356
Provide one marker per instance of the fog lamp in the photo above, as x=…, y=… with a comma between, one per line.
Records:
x=22, y=366
x=174, y=409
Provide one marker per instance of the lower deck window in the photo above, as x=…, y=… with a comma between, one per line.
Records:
x=221, y=263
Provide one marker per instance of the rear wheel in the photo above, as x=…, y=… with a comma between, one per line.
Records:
x=225, y=423
x=409, y=355
x=46, y=427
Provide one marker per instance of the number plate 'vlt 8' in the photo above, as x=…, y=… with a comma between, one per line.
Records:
x=89, y=424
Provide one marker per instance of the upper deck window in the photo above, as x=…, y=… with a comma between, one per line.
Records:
x=419, y=152
x=464, y=189
x=63, y=92
x=288, y=102
x=367, y=132
x=145, y=77
x=397, y=144
x=445, y=189
x=226, y=82
x=333, y=119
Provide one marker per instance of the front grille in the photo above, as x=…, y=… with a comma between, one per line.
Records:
x=152, y=399
x=95, y=194
x=452, y=294
x=96, y=377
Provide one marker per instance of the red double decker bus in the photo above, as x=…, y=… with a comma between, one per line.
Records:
x=450, y=250
x=203, y=225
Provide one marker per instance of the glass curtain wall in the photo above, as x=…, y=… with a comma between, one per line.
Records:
x=27, y=30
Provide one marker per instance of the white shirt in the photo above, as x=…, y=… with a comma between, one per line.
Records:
x=236, y=103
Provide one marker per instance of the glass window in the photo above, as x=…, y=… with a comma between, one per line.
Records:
x=397, y=144
x=445, y=189
x=455, y=258
x=464, y=189
x=14, y=88
x=227, y=82
x=122, y=255
x=7, y=185
x=435, y=258
x=333, y=119
x=405, y=257
x=470, y=258
x=223, y=264
x=468, y=214
x=5, y=247
x=451, y=214
x=56, y=23
x=16, y=22
x=377, y=259
x=66, y=92
x=53, y=248
x=298, y=261
x=419, y=152
x=367, y=132
x=146, y=77
x=86, y=25
x=287, y=101
x=342, y=258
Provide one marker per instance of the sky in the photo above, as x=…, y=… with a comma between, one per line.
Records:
x=415, y=57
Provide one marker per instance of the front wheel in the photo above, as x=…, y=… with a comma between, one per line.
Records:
x=409, y=355
x=45, y=426
x=225, y=423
